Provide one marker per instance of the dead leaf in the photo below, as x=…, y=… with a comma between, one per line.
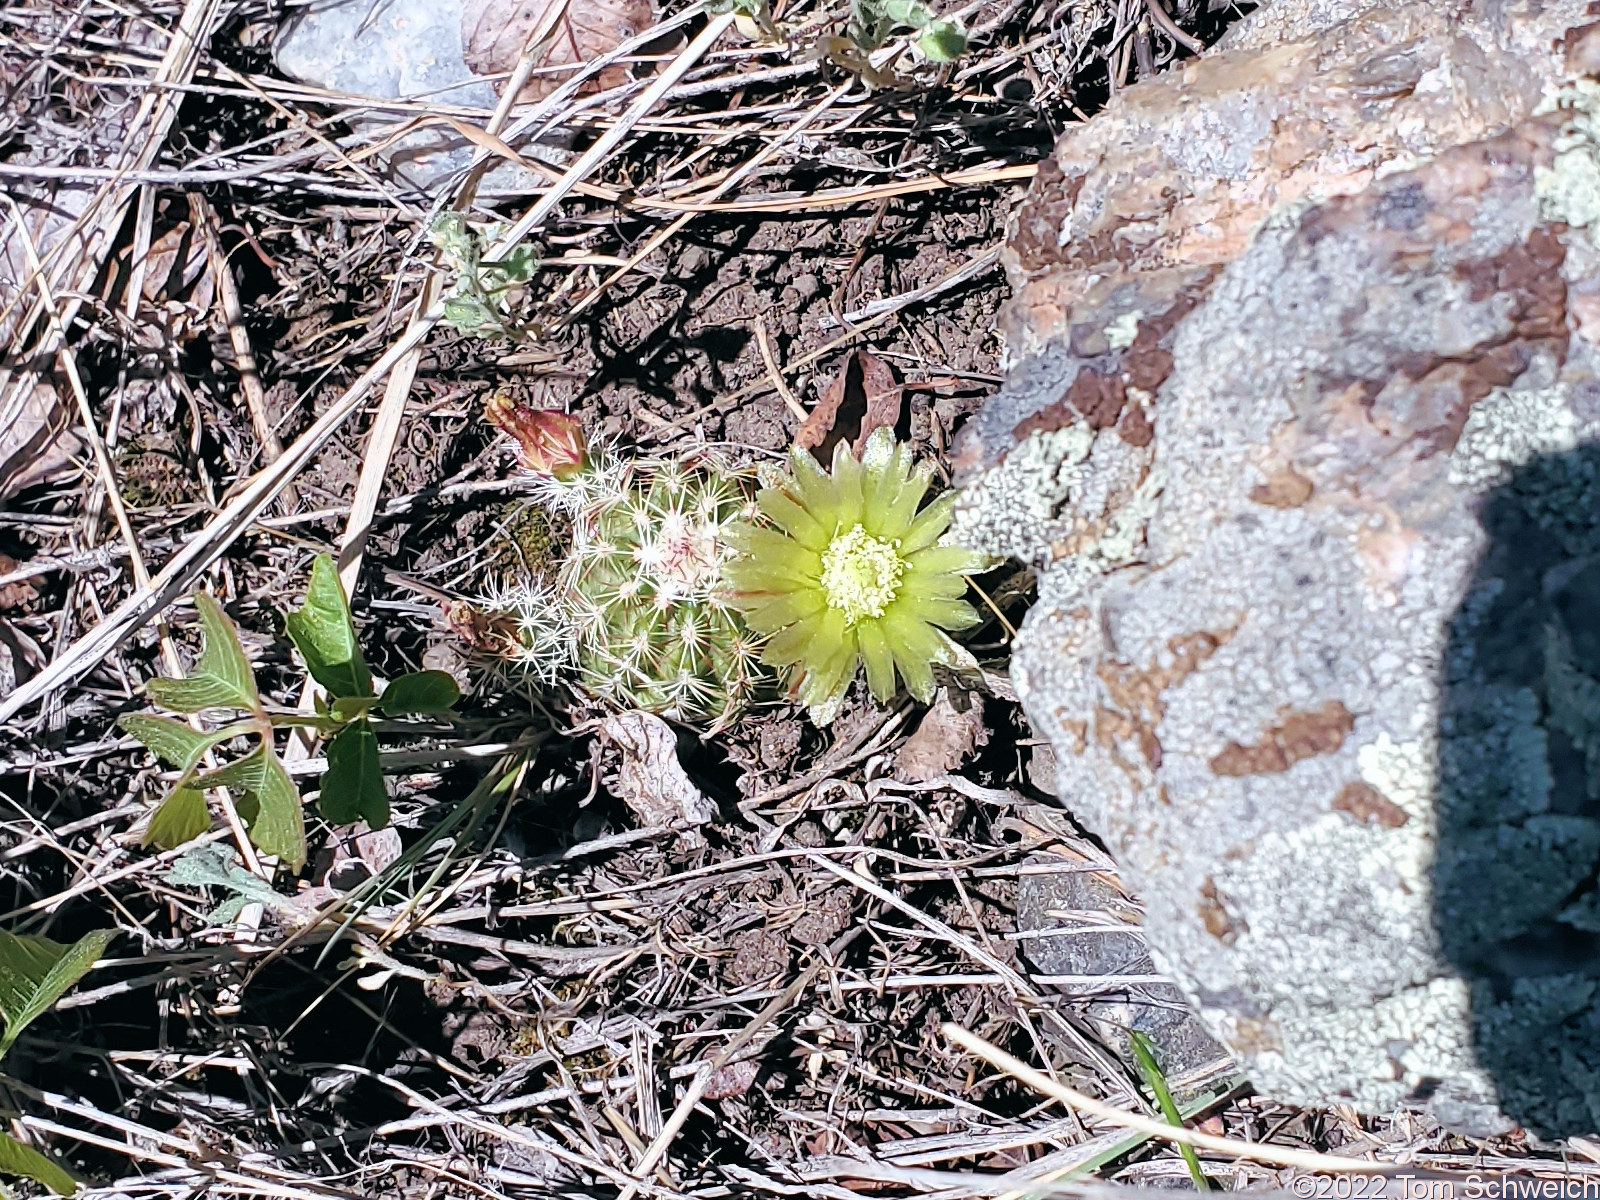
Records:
x=37, y=442
x=163, y=275
x=863, y=397
x=950, y=731
x=650, y=780
x=732, y=1080
x=495, y=32
x=14, y=595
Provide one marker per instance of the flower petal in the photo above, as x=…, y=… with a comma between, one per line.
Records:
x=929, y=524
x=947, y=614
x=791, y=645
x=942, y=560
x=847, y=481
x=784, y=609
x=917, y=646
x=789, y=515
x=815, y=491
x=896, y=510
x=878, y=659
x=925, y=585
x=833, y=675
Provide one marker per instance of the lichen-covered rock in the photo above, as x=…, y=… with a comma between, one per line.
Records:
x=1303, y=433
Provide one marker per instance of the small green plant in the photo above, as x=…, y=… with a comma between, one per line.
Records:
x=846, y=572
x=486, y=297
x=940, y=40
x=265, y=798
x=634, y=610
x=35, y=972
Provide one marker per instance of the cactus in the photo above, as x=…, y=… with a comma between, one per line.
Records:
x=634, y=611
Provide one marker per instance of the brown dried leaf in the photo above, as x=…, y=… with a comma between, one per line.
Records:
x=495, y=32
x=949, y=733
x=650, y=780
x=37, y=441
x=732, y=1080
x=863, y=397
x=14, y=595
x=176, y=260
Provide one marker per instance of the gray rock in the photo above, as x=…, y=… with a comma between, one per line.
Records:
x=395, y=50
x=1086, y=927
x=1303, y=434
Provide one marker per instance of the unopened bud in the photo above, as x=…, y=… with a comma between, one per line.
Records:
x=548, y=442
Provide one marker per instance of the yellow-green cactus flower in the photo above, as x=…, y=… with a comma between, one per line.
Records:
x=847, y=571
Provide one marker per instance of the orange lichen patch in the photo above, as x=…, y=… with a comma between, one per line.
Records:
x=1137, y=703
x=1285, y=488
x=1295, y=736
x=1369, y=806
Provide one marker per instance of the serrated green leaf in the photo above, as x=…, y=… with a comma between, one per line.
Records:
x=326, y=636
x=180, y=819
x=353, y=787
x=268, y=803
x=279, y=826
x=36, y=972
x=419, y=692
x=17, y=1159
x=221, y=679
x=173, y=742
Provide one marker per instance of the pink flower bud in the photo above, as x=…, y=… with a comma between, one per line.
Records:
x=548, y=442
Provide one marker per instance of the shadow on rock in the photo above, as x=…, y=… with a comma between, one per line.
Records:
x=1516, y=902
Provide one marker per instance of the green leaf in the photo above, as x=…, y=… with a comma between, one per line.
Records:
x=173, y=742
x=269, y=803
x=419, y=692
x=465, y=314
x=17, y=1159
x=352, y=707
x=213, y=865
x=353, y=786
x=221, y=679
x=242, y=774
x=519, y=265
x=279, y=827
x=326, y=637
x=180, y=819
x=1145, y=1053
x=942, y=42
x=36, y=972
x=914, y=13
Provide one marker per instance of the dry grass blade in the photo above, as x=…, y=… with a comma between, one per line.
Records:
x=1282, y=1156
